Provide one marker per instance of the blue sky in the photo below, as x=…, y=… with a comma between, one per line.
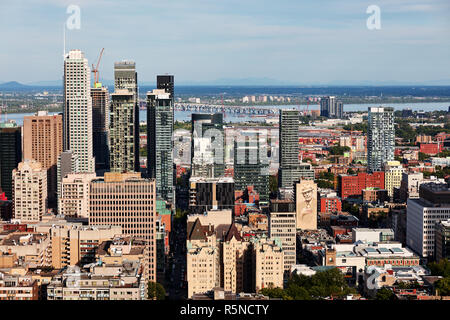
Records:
x=294, y=41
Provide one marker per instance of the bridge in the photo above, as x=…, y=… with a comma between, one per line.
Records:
x=212, y=108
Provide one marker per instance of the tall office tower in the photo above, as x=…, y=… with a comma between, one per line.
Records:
x=67, y=163
x=77, y=116
x=250, y=168
x=125, y=77
x=289, y=165
x=122, y=132
x=207, y=148
x=42, y=141
x=126, y=200
x=380, y=138
x=331, y=108
x=100, y=127
x=423, y=216
x=282, y=226
x=166, y=82
x=10, y=154
x=29, y=191
x=160, y=144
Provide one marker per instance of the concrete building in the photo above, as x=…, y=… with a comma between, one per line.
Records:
x=160, y=147
x=331, y=108
x=442, y=242
x=74, y=199
x=372, y=235
x=29, y=191
x=125, y=77
x=42, y=141
x=289, y=149
x=77, y=113
x=122, y=132
x=207, y=148
x=268, y=259
x=17, y=287
x=306, y=204
x=423, y=215
x=10, y=155
x=100, y=127
x=393, y=171
x=74, y=244
x=101, y=282
x=380, y=137
x=211, y=193
x=129, y=201
x=251, y=166
x=282, y=227
x=30, y=249
x=67, y=163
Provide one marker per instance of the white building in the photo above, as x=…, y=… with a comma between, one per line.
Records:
x=422, y=216
x=392, y=176
x=77, y=113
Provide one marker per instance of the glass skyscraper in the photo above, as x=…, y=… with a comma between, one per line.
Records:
x=380, y=138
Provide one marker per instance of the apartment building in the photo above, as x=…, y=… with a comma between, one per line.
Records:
x=73, y=244
x=74, y=198
x=393, y=171
x=29, y=191
x=268, y=260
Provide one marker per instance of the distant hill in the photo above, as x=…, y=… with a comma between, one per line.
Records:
x=13, y=85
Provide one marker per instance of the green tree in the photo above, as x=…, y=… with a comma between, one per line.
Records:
x=423, y=156
x=156, y=291
x=441, y=268
x=442, y=286
x=385, y=294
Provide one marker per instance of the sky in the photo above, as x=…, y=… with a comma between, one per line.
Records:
x=202, y=41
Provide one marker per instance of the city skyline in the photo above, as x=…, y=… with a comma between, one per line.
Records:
x=281, y=44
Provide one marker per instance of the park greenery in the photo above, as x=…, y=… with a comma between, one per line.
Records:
x=323, y=284
x=441, y=268
x=156, y=291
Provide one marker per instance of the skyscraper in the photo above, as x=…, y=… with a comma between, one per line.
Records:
x=331, y=108
x=380, y=138
x=100, y=126
x=250, y=167
x=122, y=132
x=10, y=154
x=77, y=116
x=207, y=149
x=289, y=169
x=166, y=82
x=42, y=141
x=125, y=77
x=160, y=144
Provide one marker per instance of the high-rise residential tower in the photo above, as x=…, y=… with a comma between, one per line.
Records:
x=42, y=141
x=380, y=138
x=207, y=151
x=77, y=115
x=289, y=165
x=30, y=191
x=122, y=132
x=125, y=77
x=251, y=167
x=100, y=126
x=160, y=144
x=167, y=83
x=10, y=154
x=331, y=108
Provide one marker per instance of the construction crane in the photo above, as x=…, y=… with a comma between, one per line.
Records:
x=95, y=70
